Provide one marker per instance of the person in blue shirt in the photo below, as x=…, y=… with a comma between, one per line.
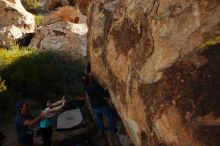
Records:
x=46, y=128
x=98, y=104
x=24, y=122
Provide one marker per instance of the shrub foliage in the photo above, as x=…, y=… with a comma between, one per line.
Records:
x=31, y=5
x=37, y=75
x=39, y=20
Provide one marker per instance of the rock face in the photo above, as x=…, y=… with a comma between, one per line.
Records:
x=15, y=21
x=65, y=38
x=163, y=85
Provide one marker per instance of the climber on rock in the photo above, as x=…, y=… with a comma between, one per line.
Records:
x=98, y=105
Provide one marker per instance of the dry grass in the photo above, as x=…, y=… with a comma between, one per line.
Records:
x=64, y=14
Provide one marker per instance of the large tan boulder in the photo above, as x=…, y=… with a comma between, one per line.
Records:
x=15, y=21
x=163, y=85
x=64, y=32
x=67, y=39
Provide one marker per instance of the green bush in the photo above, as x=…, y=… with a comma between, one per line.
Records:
x=39, y=19
x=8, y=56
x=37, y=75
x=31, y=5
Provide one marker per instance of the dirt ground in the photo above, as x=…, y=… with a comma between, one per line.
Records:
x=9, y=131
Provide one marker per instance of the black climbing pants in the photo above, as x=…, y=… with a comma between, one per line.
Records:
x=46, y=134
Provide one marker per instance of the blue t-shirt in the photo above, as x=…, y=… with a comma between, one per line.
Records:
x=96, y=95
x=24, y=133
x=46, y=123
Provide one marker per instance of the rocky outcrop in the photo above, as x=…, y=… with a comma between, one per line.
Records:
x=65, y=32
x=67, y=39
x=15, y=21
x=163, y=85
